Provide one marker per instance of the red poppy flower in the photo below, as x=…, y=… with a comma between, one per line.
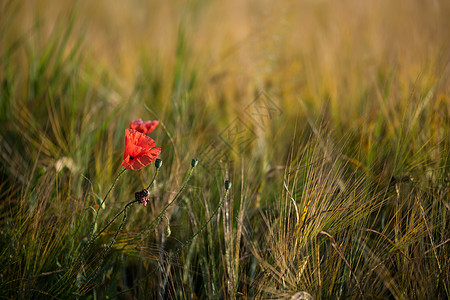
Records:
x=144, y=127
x=139, y=151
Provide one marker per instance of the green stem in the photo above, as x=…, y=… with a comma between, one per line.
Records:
x=115, y=217
x=153, y=180
x=103, y=201
x=156, y=221
x=206, y=224
x=120, y=226
x=167, y=219
x=114, y=182
x=124, y=210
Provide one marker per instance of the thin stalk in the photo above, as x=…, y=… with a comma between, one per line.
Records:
x=227, y=187
x=114, y=182
x=206, y=224
x=124, y=211
x=153, y=180
x=156, y=221
x=115, y=217
x=105, y=252
x=103, y=201
x=120, y=226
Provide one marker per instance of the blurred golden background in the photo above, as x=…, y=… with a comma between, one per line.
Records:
x=312, y=47
x=343, y=194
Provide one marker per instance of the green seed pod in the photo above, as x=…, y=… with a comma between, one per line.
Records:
x=158, y=163
x=227, y=184
x=194, y=162
x=167, y=230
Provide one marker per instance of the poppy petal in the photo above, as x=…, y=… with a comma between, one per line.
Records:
x=135, y=124
x=137, y=142
x=144, y=127
x=150, y=126
x=139, y=151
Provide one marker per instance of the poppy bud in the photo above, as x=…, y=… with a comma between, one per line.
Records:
x=227, y=184
x=194, y=162
x=158, y=163
x=167, y=230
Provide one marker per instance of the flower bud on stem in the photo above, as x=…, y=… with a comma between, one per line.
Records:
x=194, y=162
x=158, y=163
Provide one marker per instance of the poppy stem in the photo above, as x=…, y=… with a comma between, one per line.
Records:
x=204, y=225
x=153, y=180
x=121, y=224
x=113, y=219
x=103, y=201
x=124, y=211
x=156, y=221
x=114, y=183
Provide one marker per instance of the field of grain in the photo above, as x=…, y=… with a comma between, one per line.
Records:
x=305, y=149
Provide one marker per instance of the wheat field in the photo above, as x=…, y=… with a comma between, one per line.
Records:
x=305, y=149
